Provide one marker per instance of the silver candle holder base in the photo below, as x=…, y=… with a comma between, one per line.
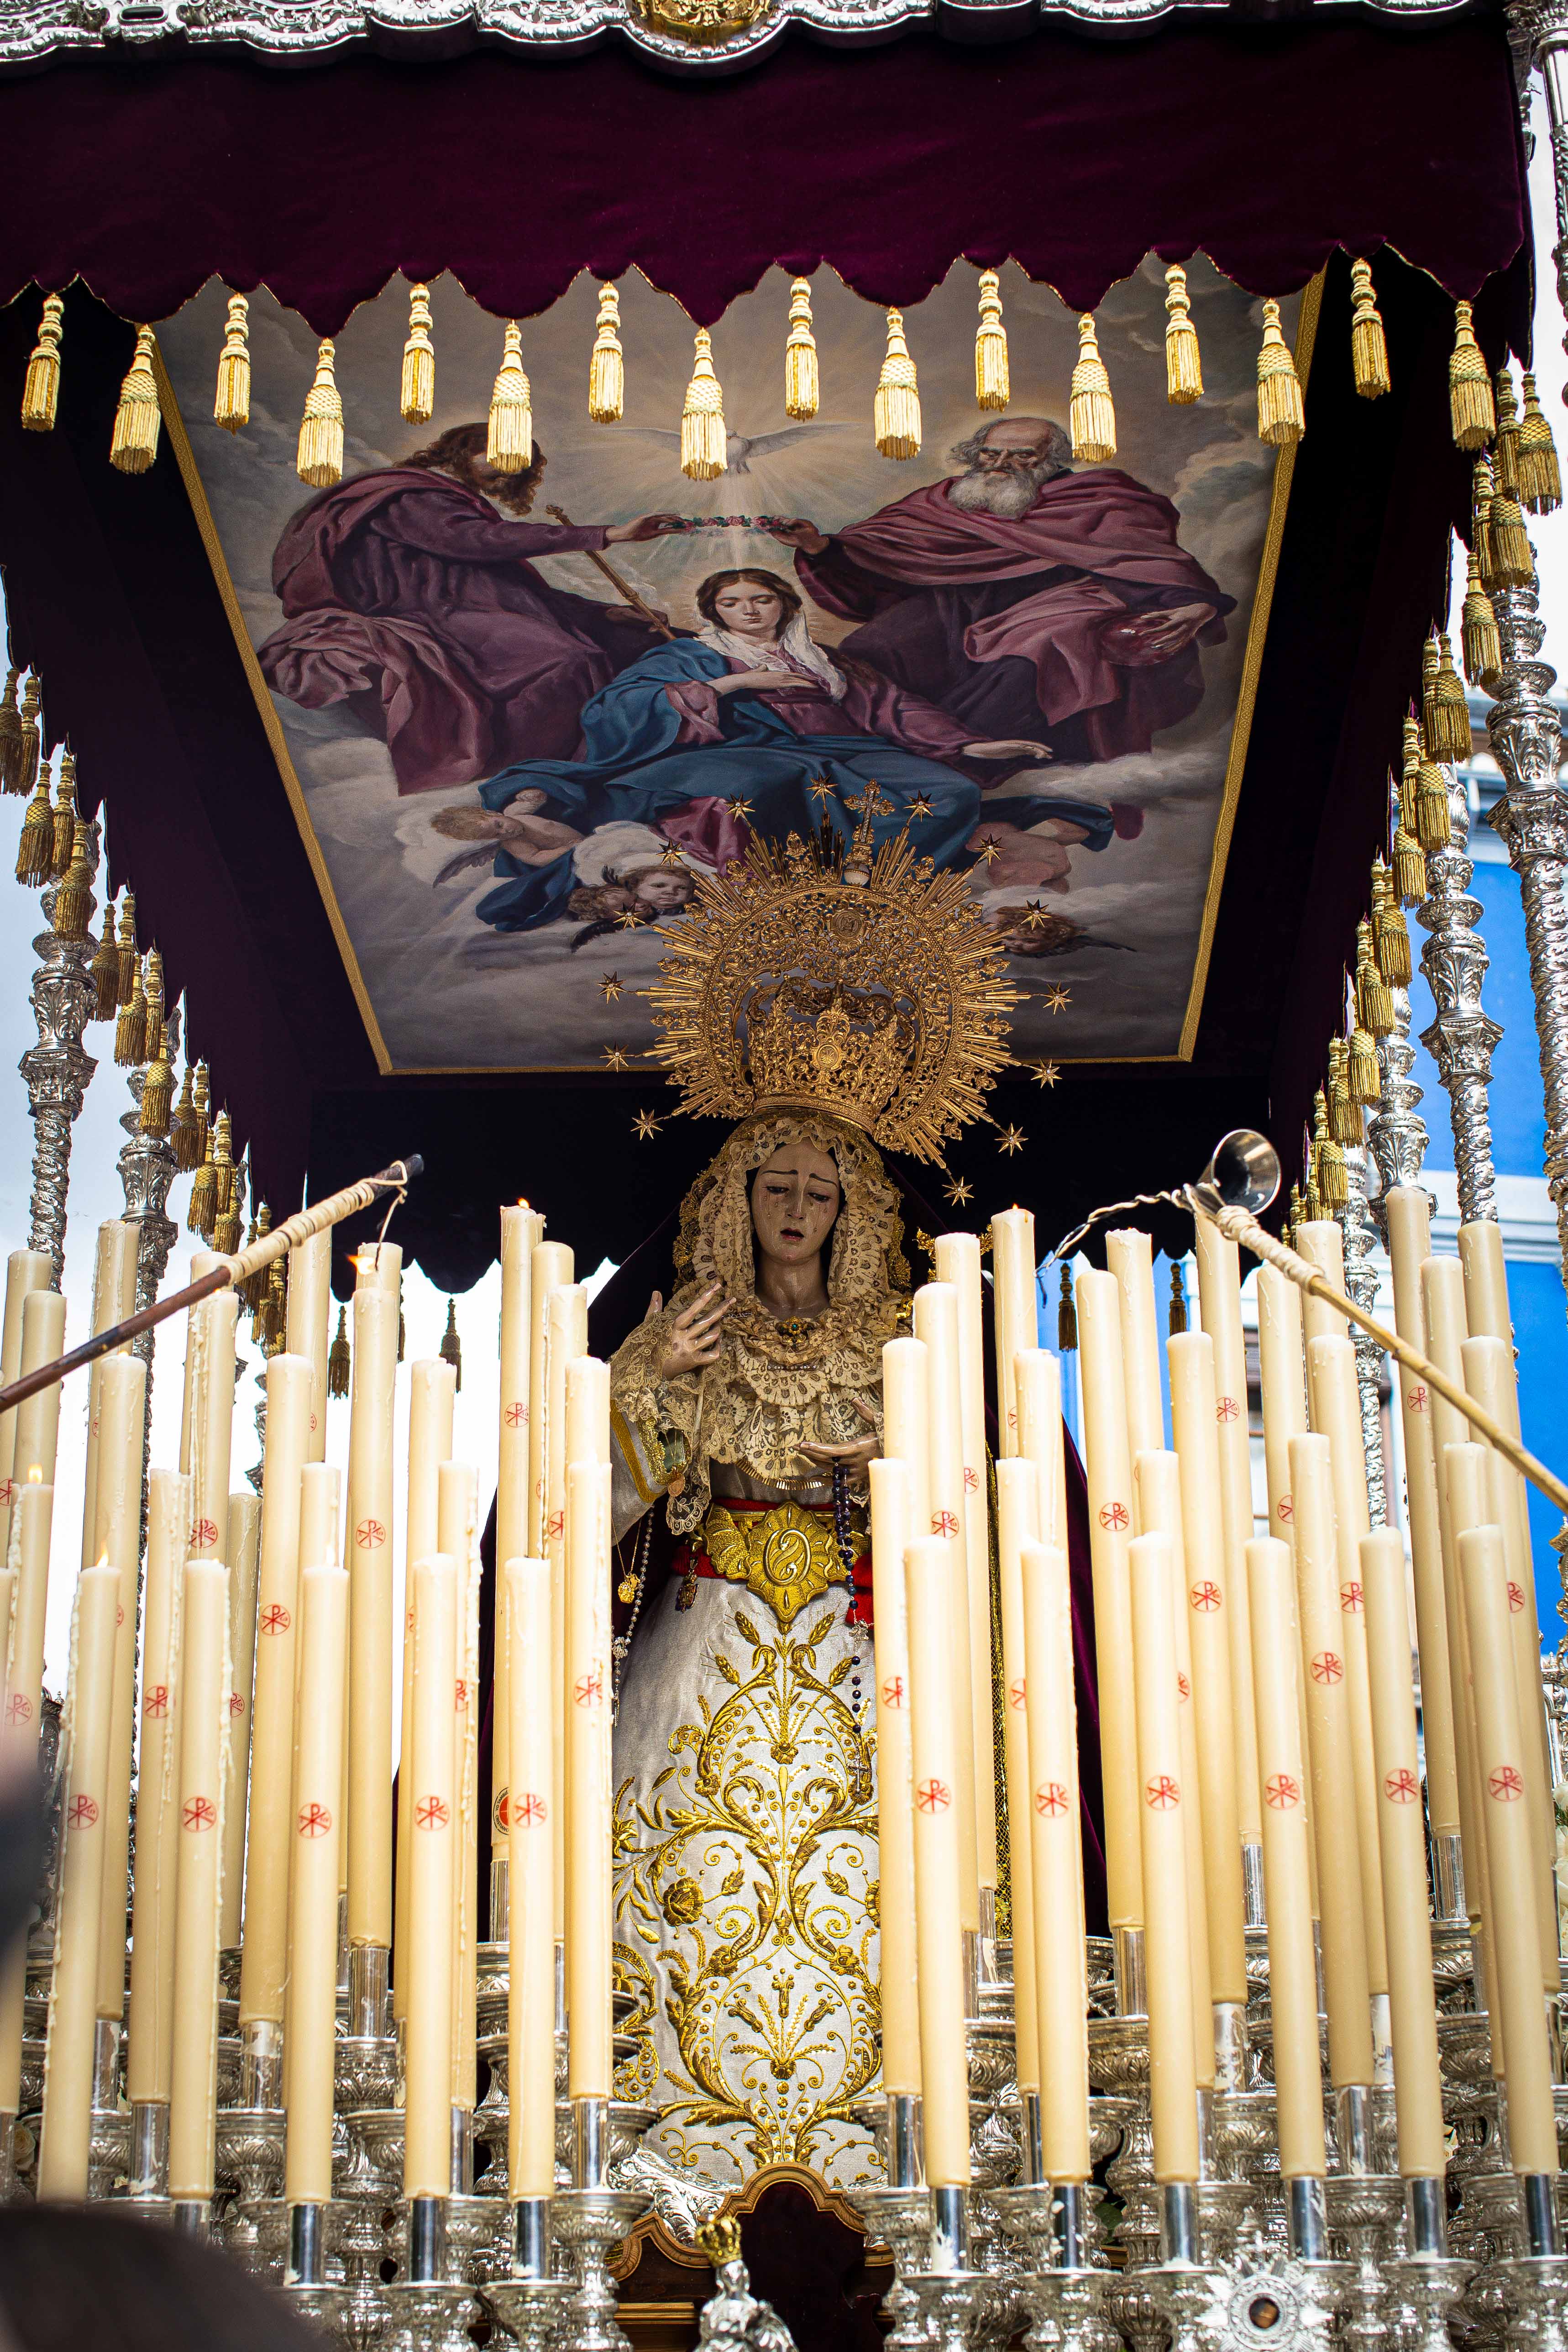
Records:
x=900, y=2220
x=529, y=2309
x=589, y=2223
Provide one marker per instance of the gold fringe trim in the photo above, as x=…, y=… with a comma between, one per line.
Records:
x=1539, y=477
x=1480, y=645
x=1183, y=363
x=1505, y=446
x=993, y=382
x=73, y=899
x=202, y=1208
x=1091, y=412
x=1343, y=1113
x=182, y=1129
x=319, y=461
x=231, y=402
x=704, y=441
x=1374, y=1005
x=895, y=411
x=134, y=442
x=802, y=381
x=416, y=392
x=1282, y=412
x=1470, y=410
x=1368, y=343
x=41, y=389
x=607, y=366
x=64, y=818
x=510, y=446
x=1512, y=557
x=1445, y=714
x=1390, y=934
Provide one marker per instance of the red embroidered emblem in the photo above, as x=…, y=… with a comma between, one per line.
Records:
x=1184, y=1688
x=1327, y=1668
x=1506, y=1784
x=462, y=1693
x=932, y=1797
x=274, y=1618
x=1401, y=1787
x=201, y=1813
x=118, y=1616
x=7, y=1490
x=555, y=1525
x=1206, y=1596
x=1115, y=1517
x=1280, y=1791
x=237, y=1704
x=370, y=1535
x=83, y=1812
x=1162, y=1792
x=432, y=1813
x=1051, y=1799
x=315, y=1820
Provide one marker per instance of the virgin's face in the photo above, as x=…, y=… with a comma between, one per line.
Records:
x=747, y=609
x=794, y=1200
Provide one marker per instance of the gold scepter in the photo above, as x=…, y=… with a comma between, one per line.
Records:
x=622, y=588
x=234, y=1270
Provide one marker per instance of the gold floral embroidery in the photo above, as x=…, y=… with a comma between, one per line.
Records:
x=786, y=1557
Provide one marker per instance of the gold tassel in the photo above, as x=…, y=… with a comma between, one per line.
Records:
x=416, y=396
x=802, y=381
x=231, y=402
x=1505, y=447
x=30, y=759
x=895, y=411
x=182, y=1129
x=11, y=738
x=1282, y=412
x=319, y=461
x=510, y=446
x=1407, y=774
x=993, y=382
x=1470, y=410
x=704, y=441
x=1298, y=1210
x=1409, y=869
x=74, y=896
x=125, y=943
x=131, y=1030
x=1332, y=1187
x=202, y=1208
x=41, y=391
x=104, y=971
x=1481, y=522
x=134, y=442
x=155, y=986
x=1445, y=714
x=158, y=1086
x=607, y=367
x=1175, y=1317
x=450, y=1344
x=1478, y=641
x=275, y=1308
x=226, y=1222
x=1374, y=1005
x=1091, y=413
x=253, y=1288
x=1390, y=933
x=1512, y=557
x=401, y=1334
x=1432, y=830
x=1365, y=1077
x=339, y=1363
x=1344, y=1112
x=1368, y=344
x=204, y=1105
x=65, y=819
x=1539, y=477
x=1066, y=1312
x=1183, y=363
x=35, y=847
x=1312, y=1205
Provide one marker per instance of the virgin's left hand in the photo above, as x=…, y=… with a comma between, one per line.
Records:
x=1008, y=747
x=855, y=1457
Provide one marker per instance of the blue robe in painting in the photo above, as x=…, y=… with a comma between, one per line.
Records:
x=636, y=769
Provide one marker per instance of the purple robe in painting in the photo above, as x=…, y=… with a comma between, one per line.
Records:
x=413, y=601
x=1019, y=625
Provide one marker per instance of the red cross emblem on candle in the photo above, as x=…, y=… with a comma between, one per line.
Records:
x=1206, y=1596
x=1285, y=1508
x=1515, y=1597
x=201, y=1813
x=1114, y=1517
x=315, y=1820
x=943, y=1523
x=1281, y=1790
x=530, y=1808
x=1327, y=1668
x=432, y=1813
x=83, y=1812
x=1017, y=1693
x=1506, y=1784
x=1418, y=1399
x=893, y=1691
x=237, y=1704
x=1350, y=1598
x=589, y=1688
x=1227, y=1409
x=18, y=1707
x=932, y=1797
x=370, y=1535
x=555, y=1525
x=156, y=1700
x=7, y=1490
x=1162, y=1792
x=517, y=1416
x=462, y=1694
x=1051, y=1799
x=1401, y=1787
x=971, y=1480
x=274, y=1618
x=1184, y=1688
x=203, y=1534
x=118, y=1616
x=1012, y=1419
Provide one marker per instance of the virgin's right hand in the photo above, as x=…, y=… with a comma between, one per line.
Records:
x=694, y=1337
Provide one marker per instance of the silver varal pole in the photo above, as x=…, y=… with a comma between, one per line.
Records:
x=56, y=1070
x=1462, y=1038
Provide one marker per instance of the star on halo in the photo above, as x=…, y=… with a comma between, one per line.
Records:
x=1046, y=1074
x=1034, y=916
x=920, y=806
x=670, y=855
x=821, y=791
x=1057, y=1000
x=737, y=807
x=1012, y=1139
x=615, y=1058
x=959, y=1192
x=990, y=849
x=610, y=986
x=645, y=1126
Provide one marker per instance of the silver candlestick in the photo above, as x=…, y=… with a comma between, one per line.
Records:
x=1462, y=1038
x=57, y=1069
x=591, y=2220
x=1361, y=1283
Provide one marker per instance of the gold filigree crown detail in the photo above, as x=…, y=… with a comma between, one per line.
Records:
x=857, y=984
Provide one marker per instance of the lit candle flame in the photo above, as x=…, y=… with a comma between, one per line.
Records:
x=35, y=1475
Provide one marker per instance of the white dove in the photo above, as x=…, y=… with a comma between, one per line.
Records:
x=740, y=447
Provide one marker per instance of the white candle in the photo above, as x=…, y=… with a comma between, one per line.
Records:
x=151, y=2054
x=1287, y=1875
x=113, y=1298
x=1013, y=1310
x=1321, y=1243
x=308, y=1315
x=290, y=1404
x=1163, y=1796
x=457, y=1523
x=1443, y=1312
x=958, y=1263
x=31, y=1525
x=117, y=1540
x=26, y=1270
x=1108, y=1472
x=427, y=2127
x=892, y=1515
x=1017, y=1524
x=936, y=1689
x=432, y=1395
x=935, y=1318
x=210, y=1362
x=588, y=1784
x=906, y=1376
x=550, y=1267
x=522, y=1230
x=1061, y=1993
x=566, y=1339
x=1157, y=1485
x=314, y=1827
x=1128, y=1259
x=370, y=1559
x=1219, y=1305
x=1281, y=1363
x=68, y=2067
x=531, y=1997
x=1037, y=1385
x=243, y=1546
x=38, y=1417
x=205, y=1685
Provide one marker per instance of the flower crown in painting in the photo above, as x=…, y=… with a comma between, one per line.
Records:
x=855, y=982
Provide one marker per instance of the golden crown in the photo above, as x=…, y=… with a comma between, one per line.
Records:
x=864, y=985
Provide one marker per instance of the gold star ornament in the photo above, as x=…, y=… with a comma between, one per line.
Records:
x=627, y=921
x=959, y=1192
x=644, y=1126
x=1046, y=1074
x=737, y=807
x=1057, y=1000
x=919, y=807
x=615, y=1058
x=990, y=849
x=610, y=986
x=1012, y=1139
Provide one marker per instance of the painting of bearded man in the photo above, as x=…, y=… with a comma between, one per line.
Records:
x=1025, y=598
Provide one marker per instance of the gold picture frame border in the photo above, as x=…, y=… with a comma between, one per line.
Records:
x=1225, y=823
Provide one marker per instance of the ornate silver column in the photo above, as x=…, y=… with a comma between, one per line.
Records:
x=1538, y=34
x=1361, y=1284
x=1395, y=1136
x=56, y=1070
x=147, y=1170
x=1462, y=1039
